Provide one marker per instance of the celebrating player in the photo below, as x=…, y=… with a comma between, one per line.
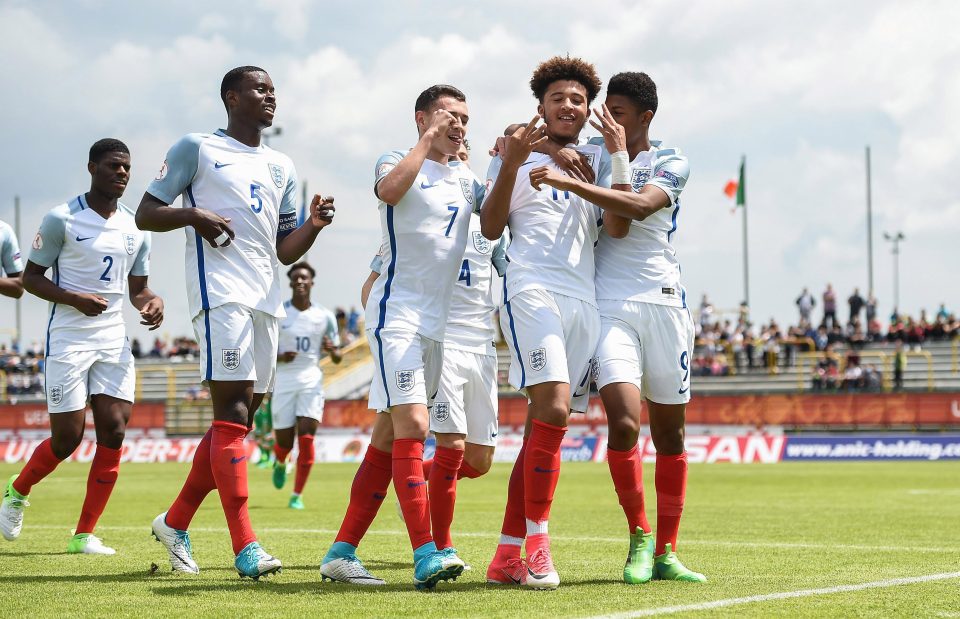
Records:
x=550, y=317
x=306, y=332
x=238, y=197
x=646, y=331
x=10, y=264
x=425, y=206
x=97, y=254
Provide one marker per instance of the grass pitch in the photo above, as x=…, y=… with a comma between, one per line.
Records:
x=752, y=529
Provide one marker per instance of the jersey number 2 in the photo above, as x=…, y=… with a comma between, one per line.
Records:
x=105, y=276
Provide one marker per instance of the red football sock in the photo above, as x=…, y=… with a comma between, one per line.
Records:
x=367, y=493
x=199, y=484
x=304, y=462
x=626, y=469
x=40, y=464
x=514, y=524
x=541, y=469
x=427, y=467
x=671, y=482
x=100, y=482
x=443, y=493
x=228, y=460
x=411, y=489
x=467, y=471
x=280, y=453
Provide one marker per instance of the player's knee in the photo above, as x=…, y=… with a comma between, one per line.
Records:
x=451, y=441
x=668, y=442
x=65, y=443
x=480, y=460
x=112, y=438
x=624, y=432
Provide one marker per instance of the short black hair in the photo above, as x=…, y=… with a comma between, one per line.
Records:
x=104, y=146
x=565, y=68
x=430, y=95
x=636, y=86
x=231, y=81
x=301, y=265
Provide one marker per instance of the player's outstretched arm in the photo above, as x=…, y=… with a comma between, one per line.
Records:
x=514, y=150
x=292, y=246
x=392, y=187
x=156, y=215
x=626, y=204
x=11, y=285
x=146, y=301
x=36, y=283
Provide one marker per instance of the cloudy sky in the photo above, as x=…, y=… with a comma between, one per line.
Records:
x=798, y=87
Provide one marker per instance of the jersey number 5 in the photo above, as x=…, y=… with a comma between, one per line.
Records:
x=255, y=195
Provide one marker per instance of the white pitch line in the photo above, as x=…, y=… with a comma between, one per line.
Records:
x=785, y=595
x=562, y=538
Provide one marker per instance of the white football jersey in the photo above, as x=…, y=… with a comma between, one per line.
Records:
x=93, y=255
x=302, y=332
x=643, y=266
x=424, y=236
x=552, y=232
x=476, y=294
x=10, y=261
x=253, y=187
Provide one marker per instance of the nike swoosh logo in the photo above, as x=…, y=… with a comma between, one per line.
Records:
x=379, y=496
x=682, y=391
x=416, y=484
x=426, y=186
x=493, y=434
x=537, y=469
x=85, y=238
x=448, y=478
x=537, y=576
x=100, y=481
x=513, y=579
x=219, y=165
x=237, y=460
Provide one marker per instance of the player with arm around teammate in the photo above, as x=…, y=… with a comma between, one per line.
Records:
x=549, y=317
x=11, y=265
x=240, y=220
x=97, y=255
x=306, y=332
x=425, y=206
x=647, y=334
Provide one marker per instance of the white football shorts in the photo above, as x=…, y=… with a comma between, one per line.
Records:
x=71, y=377
x=237, y=343
x=467, y=400
x=406, y=368
x=551, y=337
x=647, y=345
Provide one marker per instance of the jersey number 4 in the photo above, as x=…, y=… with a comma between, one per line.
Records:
x=465, y=273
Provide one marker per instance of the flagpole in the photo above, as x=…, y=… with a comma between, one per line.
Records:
x=869, y=230
x=742, y=191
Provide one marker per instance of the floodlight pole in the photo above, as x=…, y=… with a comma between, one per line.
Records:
x=895, y=239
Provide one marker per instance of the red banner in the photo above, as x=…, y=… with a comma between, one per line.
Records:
x=34, y=416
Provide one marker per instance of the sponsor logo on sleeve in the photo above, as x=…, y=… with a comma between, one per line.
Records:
x=466, y=186
x=231, y=358
x=384, y=168
x=162, y=174
x=405, y=380
x=276, y=174
x=538, y=359
x=671, y=177
x=38, y=241
x=130, y=243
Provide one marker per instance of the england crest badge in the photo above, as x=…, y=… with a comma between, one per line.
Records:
x=276, y=173
x=481, y=243
x=467, y=187
x=441, y=411
x=130, y=243
x=538, y=359
x=405, y=380
x=640, y=178
x=231, y=358
x=56, y=394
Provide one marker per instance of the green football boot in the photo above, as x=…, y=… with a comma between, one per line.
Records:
x=279, y=474
x=668, y=567
x=296, y=502
x=639, y=566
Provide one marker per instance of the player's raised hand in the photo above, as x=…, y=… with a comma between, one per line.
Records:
x=321, y=211
x=213, y=228
x=614, y=136
x=327, y=344
x=288, y=356
x=439, y=123
x=152, y=313
x=517, y=147
x=90, y=304
x=547, y=175
x=575, y=164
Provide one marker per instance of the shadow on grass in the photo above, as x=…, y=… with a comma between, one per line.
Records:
x=317, y=588
x=122, y=577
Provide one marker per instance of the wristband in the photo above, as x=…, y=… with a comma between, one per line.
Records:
x=620, y=164
x=220, y=240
